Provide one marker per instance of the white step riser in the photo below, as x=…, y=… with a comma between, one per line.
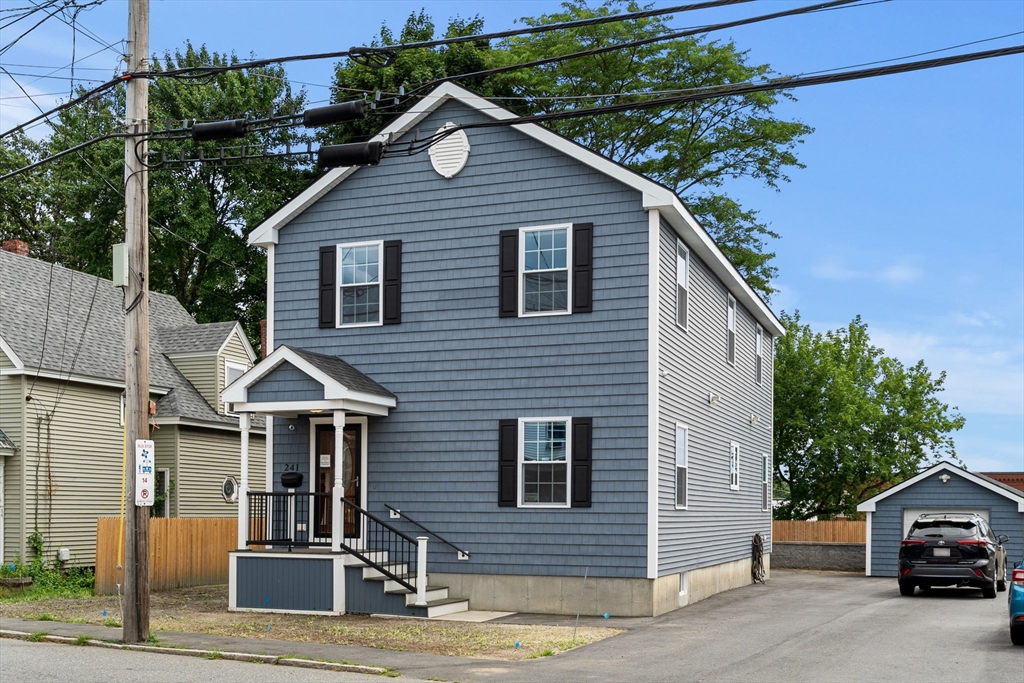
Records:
x=450, y=608
x=436, y=594
x=391, y=586
x=371, y=572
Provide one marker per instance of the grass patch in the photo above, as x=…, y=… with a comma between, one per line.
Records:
x=38, y=636
x=45, y=617
x=112, y=623
x=48, y=581
x=542, y=653
x=82, y=640
x=212, y=654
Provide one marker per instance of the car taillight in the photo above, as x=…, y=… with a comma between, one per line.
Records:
x=981, y=574
x=979, y=542
x=910, y=541
x=1018, y=577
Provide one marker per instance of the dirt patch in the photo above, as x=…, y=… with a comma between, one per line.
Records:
x=204, y=609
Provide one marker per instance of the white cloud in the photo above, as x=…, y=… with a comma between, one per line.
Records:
x=897, y=273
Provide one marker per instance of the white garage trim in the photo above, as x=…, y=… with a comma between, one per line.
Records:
x=867, y=545
x=994, y=486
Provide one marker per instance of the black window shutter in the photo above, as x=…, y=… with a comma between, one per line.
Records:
x=581, y=461
x=392, y=282
x=508, y=462
x=508, y=275
x=328, y=290
x=582, y=267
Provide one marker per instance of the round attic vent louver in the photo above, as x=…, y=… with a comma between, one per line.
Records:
x=449, y=155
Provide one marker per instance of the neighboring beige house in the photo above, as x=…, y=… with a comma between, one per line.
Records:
x=61, y=398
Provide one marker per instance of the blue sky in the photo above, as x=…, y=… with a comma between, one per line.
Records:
x=910, y=212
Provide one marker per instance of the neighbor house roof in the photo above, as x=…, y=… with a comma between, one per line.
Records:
x=979, y=479
x=209, y=338
x=1014, y=480
x=63, y=324
x=655, y=196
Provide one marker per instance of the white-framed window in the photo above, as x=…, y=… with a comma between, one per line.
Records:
x=766, y=483
x=232, y=371
x=730, y=326
x=682, y=466
x=123, y=406
x=544, y=457
x=734, y=466
x=544, y=264
x=758, y=354
x=359, y=284
x=682, y=284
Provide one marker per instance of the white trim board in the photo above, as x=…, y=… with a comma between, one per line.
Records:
x=869, y=504
x=653, y=387
x=655, y=196
x=9, y=352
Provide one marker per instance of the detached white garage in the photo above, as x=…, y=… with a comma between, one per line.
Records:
x=942, y=488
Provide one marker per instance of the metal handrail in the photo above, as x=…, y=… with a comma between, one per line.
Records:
x=432, y=533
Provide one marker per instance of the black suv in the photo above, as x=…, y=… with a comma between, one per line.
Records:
x=952, y=550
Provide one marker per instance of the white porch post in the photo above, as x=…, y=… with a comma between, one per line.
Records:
x=244, y=422
x=338, y=492
x=421, y=570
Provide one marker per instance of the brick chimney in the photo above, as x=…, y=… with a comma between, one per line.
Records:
x=263, y=338
x=18, y=247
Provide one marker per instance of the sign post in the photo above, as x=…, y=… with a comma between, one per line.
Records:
x=145, y=473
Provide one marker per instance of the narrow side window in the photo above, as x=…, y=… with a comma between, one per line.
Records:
x=758, y=354
x=730, y=324
x=682, y=284
x=734, y=466
x=766, y=485
x=682, y=466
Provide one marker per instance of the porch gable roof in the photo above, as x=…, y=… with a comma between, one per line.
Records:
x=344, y=387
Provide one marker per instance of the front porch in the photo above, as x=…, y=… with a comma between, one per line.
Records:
x=310, y=545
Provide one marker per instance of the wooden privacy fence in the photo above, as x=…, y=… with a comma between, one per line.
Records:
x=183, y=551
x=831, y=531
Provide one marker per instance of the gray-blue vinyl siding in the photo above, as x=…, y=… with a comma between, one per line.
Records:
x=285, y=383
x=286, y=583
x=718, y=523
x=959, y=492
x=457, y=368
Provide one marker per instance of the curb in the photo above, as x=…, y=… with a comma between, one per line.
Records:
x=209, y=654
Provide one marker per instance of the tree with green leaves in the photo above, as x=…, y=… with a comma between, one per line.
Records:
x=200, y=215
x=850, y=421
x=694, y=149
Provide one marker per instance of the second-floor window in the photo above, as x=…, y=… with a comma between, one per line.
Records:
x=359, y=293
x=232, y=371
x=682, y=283
x=758, y=354
x=544, y=268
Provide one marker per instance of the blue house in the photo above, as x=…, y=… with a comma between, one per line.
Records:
x=501, y=366
x=942, y=488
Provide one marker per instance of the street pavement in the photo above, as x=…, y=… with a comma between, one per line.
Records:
x=802, y=626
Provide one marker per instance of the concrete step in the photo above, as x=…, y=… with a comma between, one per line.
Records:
x=439, y=608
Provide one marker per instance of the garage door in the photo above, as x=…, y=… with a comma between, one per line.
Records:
x=910, y=514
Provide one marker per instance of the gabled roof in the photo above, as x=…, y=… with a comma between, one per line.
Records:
x=207, y=338
x=345, y=388
x=655, y=196
x=979, y=479
x=87, y=310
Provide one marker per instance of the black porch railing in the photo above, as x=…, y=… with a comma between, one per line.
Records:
x=282, y=519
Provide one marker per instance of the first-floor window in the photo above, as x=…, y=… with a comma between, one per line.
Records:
x=766, y=488
x=682, y=465
x=359, y=275
x=544, y=461
x=734, y=466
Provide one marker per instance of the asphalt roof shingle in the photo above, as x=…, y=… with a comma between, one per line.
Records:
x=342, y=372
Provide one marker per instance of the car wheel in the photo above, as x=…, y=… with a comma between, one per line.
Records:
x=989, y=590
x=906, y=588
x=1017, y=635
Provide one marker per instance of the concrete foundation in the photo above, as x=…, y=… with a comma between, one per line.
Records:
x=839, y=557
x=617, y=597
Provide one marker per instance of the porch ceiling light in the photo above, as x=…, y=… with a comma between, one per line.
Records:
x=316, y=411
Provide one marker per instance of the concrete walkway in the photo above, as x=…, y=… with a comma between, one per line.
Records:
x=802, y=626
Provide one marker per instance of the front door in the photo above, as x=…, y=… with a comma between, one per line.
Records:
x=351, y=465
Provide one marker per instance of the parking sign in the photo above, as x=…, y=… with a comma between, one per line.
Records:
x=145, y=473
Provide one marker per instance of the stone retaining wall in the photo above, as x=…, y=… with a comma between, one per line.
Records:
x=840, y=557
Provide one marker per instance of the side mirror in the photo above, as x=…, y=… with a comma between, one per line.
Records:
x=1003, y=538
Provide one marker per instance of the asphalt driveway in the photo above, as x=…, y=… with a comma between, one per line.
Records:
x=802, y=626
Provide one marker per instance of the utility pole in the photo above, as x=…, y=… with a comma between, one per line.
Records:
x=136, y=328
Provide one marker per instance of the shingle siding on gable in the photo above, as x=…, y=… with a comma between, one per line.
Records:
x=457, y=368
x=958, y=492
x=286, y=383
x=718, y=523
